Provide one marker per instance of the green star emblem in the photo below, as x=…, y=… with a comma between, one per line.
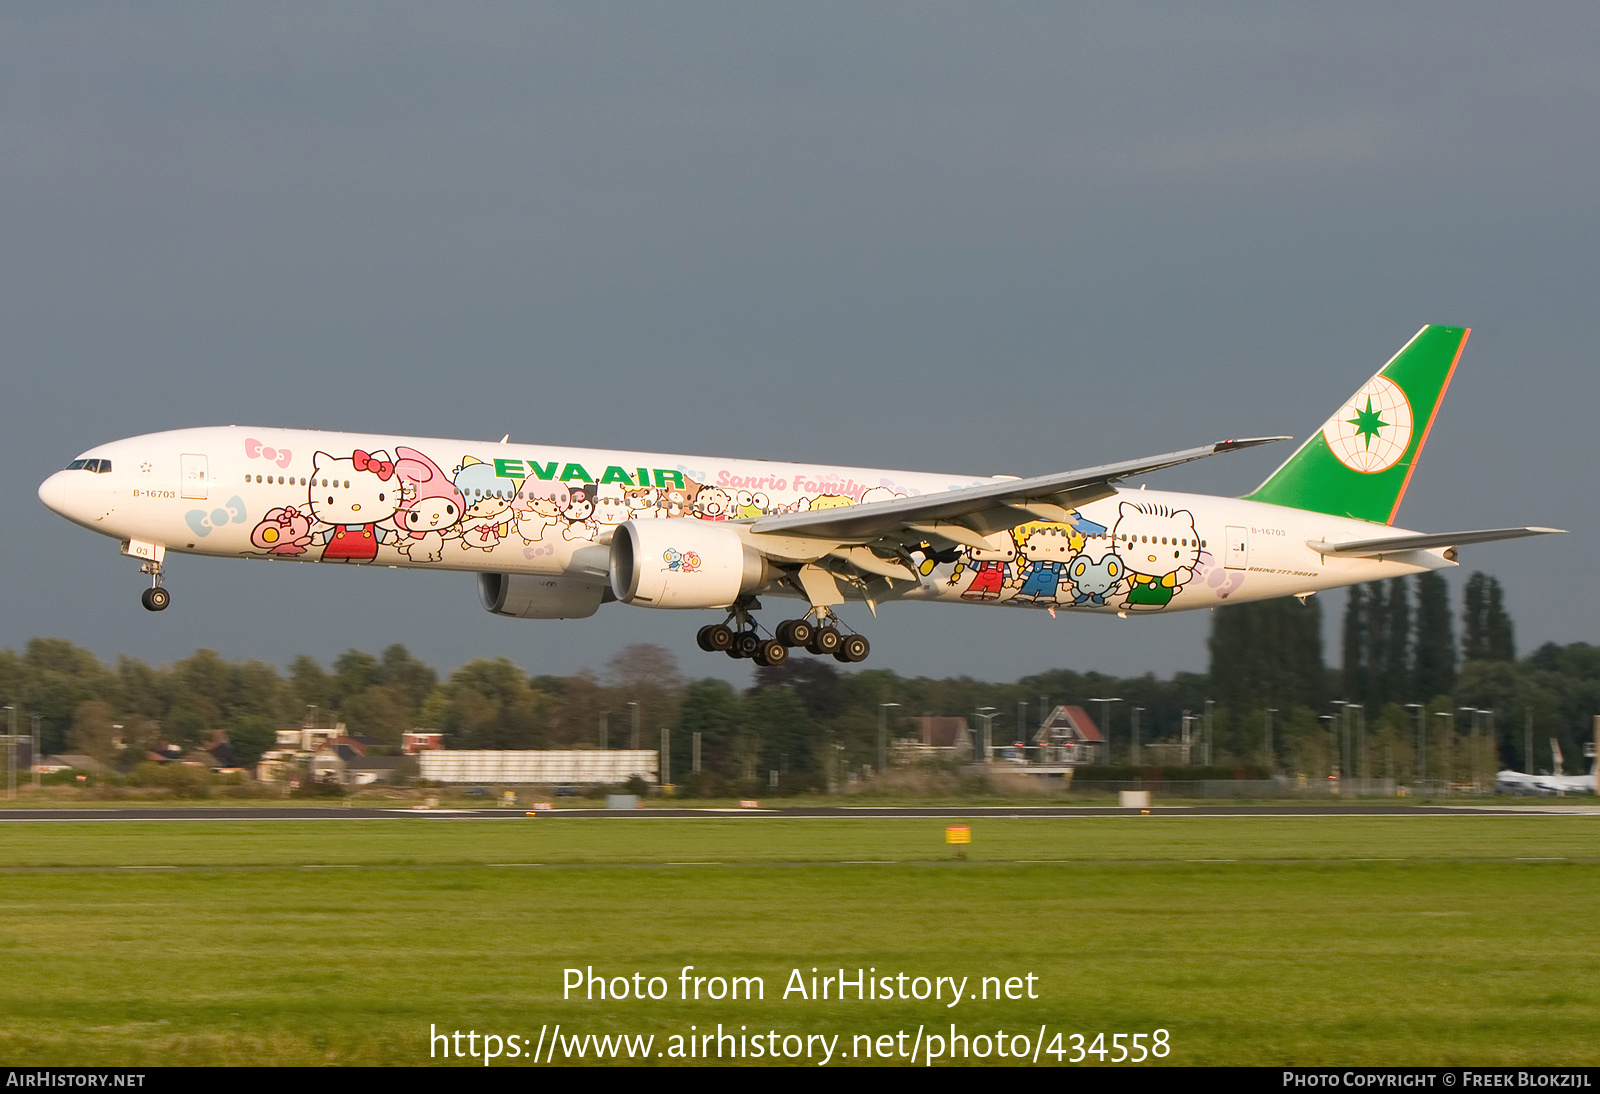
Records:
x=1368, y=422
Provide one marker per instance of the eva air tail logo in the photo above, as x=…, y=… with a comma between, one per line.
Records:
x=1373, y=430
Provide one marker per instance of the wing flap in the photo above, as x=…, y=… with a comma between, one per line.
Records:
x=986, y=508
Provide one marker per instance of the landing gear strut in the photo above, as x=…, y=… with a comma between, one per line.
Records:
x=155, y=598
x=738, y=638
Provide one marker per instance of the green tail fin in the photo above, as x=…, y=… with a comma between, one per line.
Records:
x=1359, y=463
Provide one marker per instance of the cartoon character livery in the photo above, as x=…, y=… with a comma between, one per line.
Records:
x=1094, y=579
x=488, y=518
x=1162, y=549
x=355, y=497
x=990, y=567
x=547, y=538
x=1045, y=549
x=431, y=506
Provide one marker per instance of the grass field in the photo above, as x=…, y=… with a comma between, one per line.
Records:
x=1309, y=940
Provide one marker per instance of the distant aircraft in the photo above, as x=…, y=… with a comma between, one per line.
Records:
x=1515, y=782
x=554, y=532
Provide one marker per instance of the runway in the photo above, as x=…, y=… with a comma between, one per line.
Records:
x=337, y=813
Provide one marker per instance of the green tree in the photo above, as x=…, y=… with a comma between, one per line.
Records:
x=711, y=709
x=1353, y=648
x=94, y=732
x=1434, y=658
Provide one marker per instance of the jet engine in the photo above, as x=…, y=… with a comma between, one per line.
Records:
x=540, y=596
x=684, y=563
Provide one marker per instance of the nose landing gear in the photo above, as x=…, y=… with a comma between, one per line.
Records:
x=155, y=598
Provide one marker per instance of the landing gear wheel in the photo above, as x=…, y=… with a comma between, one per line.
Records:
x=745, y=644
x=156, y=599
x=795, y=632
x=853, y=649
x=716, y=638
x=825, y=640
x=771, y=653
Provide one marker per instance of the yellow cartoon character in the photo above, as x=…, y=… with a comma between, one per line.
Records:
x=1046, y=547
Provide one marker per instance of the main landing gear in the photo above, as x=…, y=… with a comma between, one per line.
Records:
x=155, y=598
x=737, y=637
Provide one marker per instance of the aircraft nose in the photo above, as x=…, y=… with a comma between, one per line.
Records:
x=53, y=492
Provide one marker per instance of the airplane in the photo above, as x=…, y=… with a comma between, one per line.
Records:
x=1516, y=782
x=554, y=532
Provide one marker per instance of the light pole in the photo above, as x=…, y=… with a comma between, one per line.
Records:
x=1472, y=741
x=1210, y=703
x=883, y=736
x=1422, y=741
x=1136, y=712
x=1449, y=742
x=633, y=736
x=1333, y=745
x=987, y=714
x=1105, y=722
x=605, y=729
x=1272, y=760
x=11, y=753
x=36, y=760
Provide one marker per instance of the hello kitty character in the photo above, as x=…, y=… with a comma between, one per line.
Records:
x=431, y=507
x=355, y=497
x=1160, y=549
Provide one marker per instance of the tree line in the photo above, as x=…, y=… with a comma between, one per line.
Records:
x=1405, y=688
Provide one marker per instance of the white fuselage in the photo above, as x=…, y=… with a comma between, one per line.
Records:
x=526, y=509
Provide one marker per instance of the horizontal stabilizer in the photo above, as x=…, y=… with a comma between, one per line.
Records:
x=1392, y=545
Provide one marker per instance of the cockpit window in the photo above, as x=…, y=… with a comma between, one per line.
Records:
x=77, y=465
x=99, y=467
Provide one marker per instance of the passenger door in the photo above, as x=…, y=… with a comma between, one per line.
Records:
x=193, y=476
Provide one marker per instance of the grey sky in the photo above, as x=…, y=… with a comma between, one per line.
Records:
x=979, y=238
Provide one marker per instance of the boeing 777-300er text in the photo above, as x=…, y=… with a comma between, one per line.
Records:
x=555, y=532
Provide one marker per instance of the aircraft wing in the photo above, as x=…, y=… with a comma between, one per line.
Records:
x=1391, y=545
x=966, y=515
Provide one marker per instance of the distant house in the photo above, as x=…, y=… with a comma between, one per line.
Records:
x=1069, y=736
x=938, y=739
x=73, y=762
x=418, y=740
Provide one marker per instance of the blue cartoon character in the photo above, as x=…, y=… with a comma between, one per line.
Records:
x=488, y=517
x=1093, y=580
x=673, y=560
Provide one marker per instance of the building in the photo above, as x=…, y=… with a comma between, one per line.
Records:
x=413, y=741
x=545, y=766
x=1068, y=738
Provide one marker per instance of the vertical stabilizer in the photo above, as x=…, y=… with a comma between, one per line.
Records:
x=1360, y=462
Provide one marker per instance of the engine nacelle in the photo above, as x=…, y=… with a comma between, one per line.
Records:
x=684, y=563
x=540, y=596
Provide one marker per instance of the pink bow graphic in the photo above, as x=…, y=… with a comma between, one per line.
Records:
x=287, y=515
x=364, y=462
